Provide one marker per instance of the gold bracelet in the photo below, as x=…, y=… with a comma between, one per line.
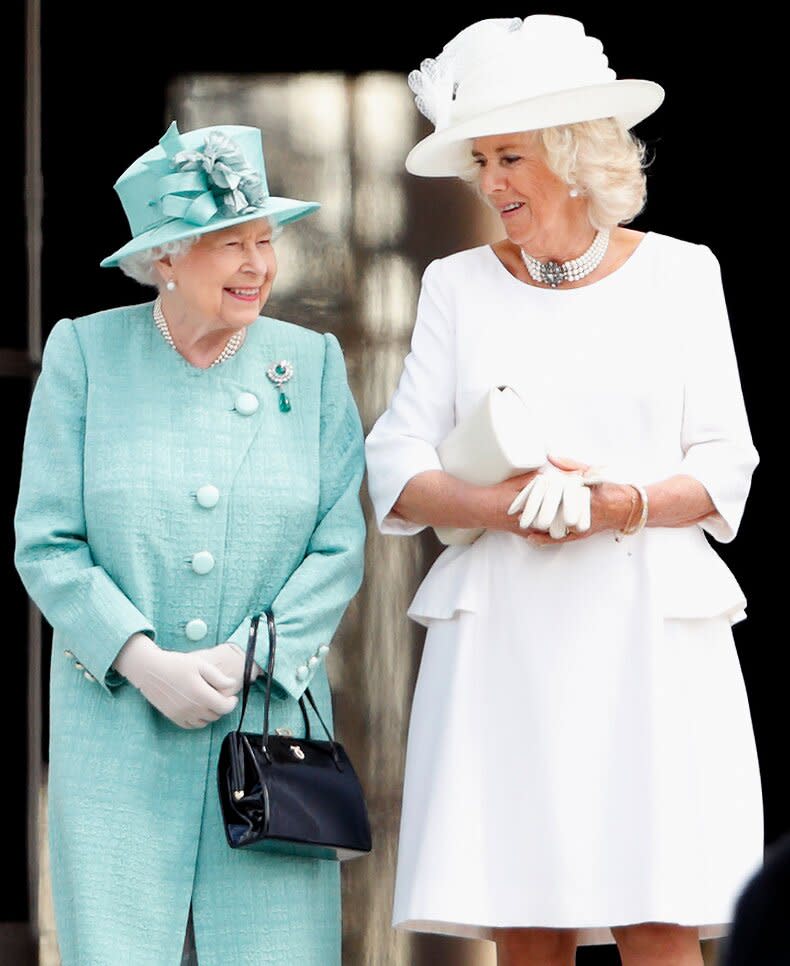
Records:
x=630, y=528
x=630, y=531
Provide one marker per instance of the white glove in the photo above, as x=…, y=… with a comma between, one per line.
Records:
x=185, y=687
x=229, y=658
x=554, y=501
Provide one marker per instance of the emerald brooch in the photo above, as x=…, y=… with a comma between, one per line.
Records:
x=279, y=373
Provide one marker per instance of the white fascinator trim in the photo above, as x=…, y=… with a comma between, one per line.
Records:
x=436, y=82
x=432, y=86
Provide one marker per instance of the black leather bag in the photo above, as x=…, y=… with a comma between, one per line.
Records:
x=298, y=796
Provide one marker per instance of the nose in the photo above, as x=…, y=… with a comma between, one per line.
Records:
x=491, y=179
x=255, y=260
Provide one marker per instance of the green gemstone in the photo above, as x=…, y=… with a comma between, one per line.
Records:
x=285, y=403
x=280, y=370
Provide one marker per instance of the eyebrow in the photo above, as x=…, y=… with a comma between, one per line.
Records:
x=505, y=147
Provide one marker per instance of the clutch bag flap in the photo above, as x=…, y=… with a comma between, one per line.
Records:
x=498, y=439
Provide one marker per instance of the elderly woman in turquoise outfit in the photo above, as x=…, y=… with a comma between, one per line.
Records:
x=187, y=463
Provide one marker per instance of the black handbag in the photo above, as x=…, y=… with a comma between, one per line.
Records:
x=298, y=796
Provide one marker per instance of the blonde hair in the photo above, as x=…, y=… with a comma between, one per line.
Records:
x=602, y=160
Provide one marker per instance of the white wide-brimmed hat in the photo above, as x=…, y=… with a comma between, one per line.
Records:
x=508, y=75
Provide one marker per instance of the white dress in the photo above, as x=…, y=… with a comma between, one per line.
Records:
x=580, y=750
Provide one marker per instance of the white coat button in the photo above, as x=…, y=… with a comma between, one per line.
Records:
x=323, y=650
x=208, y=496
x=202, y=562
x=301, y=672
x=196, y=629
x=78, y=666
x=312, y=662
x=69, y=653
x=246, y=403
x=89, y=676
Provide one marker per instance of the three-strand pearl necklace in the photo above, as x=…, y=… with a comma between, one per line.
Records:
x=554, y=273
x=231, y=346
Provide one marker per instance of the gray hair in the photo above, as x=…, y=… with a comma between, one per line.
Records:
x=141, y=267
x=603, y=160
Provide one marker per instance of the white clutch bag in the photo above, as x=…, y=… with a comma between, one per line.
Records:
x=498, y=439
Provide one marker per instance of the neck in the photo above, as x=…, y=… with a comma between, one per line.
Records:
x=563, y=245
x=197, y=339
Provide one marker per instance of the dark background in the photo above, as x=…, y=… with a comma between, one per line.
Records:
x=106, y=68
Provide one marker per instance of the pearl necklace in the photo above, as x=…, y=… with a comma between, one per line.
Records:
x=554, y=273
x=231, y=346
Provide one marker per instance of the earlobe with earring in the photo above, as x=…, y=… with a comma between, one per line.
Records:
x=170, y=285
x=574, y=192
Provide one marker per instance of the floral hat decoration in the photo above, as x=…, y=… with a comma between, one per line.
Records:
x=197, y=182
x=506, y=75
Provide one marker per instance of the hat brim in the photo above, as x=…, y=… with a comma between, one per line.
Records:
x=445, y=153
x=280, y=211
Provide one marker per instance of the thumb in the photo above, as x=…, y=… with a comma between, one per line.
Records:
x=566, y=463
x=213, y=676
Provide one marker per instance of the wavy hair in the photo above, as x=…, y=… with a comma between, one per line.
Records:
x=605, y=162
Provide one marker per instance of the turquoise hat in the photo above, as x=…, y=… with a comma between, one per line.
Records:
x=198, y=182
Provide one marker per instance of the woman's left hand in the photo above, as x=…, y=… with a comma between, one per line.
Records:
x=229, y=658
x=610, y=505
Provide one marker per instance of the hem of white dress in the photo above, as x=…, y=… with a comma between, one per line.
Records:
x=588, y=935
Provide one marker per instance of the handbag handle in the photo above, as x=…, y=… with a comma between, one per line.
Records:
x=248, y=661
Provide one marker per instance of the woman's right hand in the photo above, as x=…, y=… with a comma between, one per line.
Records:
x=184, y=687
x=500, y=498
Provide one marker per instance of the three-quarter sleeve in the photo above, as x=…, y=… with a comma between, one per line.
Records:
x=403, y=440
x=92, y=615
x=715, y=436
x=309, y=606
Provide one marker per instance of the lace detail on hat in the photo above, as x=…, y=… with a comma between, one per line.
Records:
x=436, y=83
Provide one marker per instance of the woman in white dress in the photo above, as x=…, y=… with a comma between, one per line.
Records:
x=581, y=765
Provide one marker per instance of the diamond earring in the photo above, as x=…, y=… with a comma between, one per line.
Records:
x=171, y=285
x=574, y=192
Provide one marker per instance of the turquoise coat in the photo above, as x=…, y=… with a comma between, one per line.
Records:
x=123, y=432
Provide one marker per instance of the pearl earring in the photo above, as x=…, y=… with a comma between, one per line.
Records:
x=574, y=192
x=171, y=285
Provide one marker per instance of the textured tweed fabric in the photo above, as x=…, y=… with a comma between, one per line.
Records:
x=122, y=434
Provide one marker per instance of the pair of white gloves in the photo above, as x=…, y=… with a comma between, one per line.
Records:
x=191, y=688
x=556, y=501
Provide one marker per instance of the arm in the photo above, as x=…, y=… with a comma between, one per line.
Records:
x=715, y=437
x=402, y=443
x=309, y=606
x=79, y=599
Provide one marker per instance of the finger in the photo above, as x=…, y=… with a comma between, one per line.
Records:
x=583, y=524
x=216, y=701
x=558, y=528
x=534, y=501
x=521, y=499
x=572, y=500
x=214, y=676
x=551, y=503
x=566, y=463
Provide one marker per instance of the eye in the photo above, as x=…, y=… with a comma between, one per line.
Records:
x=510, y=158
x=479, y=162
x=231, y=244
x=264, y=241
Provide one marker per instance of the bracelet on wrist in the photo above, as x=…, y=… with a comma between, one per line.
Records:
x=632, y=527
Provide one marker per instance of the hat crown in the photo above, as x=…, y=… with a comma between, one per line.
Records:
x=501, y=61
x=143, y=185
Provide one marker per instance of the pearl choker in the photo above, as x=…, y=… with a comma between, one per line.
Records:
x=554, y=273
x=231, y=346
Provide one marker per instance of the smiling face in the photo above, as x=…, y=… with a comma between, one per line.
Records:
x=534, y=204
x=225, y=278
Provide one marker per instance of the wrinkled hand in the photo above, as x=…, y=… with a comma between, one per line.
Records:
x=555, y=501
x=596, y=514
x=184, y=687
x=561, y=504
x=229, y=658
